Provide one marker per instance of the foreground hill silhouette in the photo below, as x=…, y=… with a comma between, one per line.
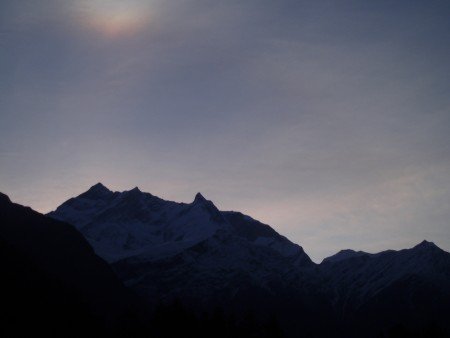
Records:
x=53, y=283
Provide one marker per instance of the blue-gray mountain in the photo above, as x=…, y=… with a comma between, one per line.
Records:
x=207, y=258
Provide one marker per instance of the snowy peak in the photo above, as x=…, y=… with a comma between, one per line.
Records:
x=425, y=245
x=130, y=223
x=133, y=194
x=207, y=206
x=422, y=247
x=200, y=199
x=99, y=187
x=135, y=190
x=426, y=251
x=343, y=255
x=97, y=191
x=134, y=223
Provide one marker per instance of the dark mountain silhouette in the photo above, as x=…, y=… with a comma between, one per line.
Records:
x=204, y=272
x=53, y=283
x=206, y=258
x=409, y=287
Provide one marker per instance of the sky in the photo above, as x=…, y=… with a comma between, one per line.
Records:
x=328, y=120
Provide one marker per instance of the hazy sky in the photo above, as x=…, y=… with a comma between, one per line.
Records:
x=328, y=120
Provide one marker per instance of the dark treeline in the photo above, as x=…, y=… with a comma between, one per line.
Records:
x=32, y=301
x=174, y=320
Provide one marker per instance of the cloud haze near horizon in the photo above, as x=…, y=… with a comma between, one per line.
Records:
x=328, y=120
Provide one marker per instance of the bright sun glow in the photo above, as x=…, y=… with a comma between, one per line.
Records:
x=115, y=17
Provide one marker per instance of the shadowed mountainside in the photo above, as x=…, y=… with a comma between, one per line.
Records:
x=207, y=258
x=203, y=272
x=54, y=284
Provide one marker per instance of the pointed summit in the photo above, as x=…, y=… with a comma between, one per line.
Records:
x=199, y=198
x=136, y=189
x=134, y=193
x=425, y=245
x=343, y=255
x=96, y=191
x=98, y=186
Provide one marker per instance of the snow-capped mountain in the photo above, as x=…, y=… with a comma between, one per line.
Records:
x=359, y=275
x=132, y=223
x=192, y=251
x=411, y=286
x=343, y=255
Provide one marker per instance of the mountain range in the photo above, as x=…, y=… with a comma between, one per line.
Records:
x=210, y=260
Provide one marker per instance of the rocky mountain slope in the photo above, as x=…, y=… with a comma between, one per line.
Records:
x=206, y=257
x=127, y=224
